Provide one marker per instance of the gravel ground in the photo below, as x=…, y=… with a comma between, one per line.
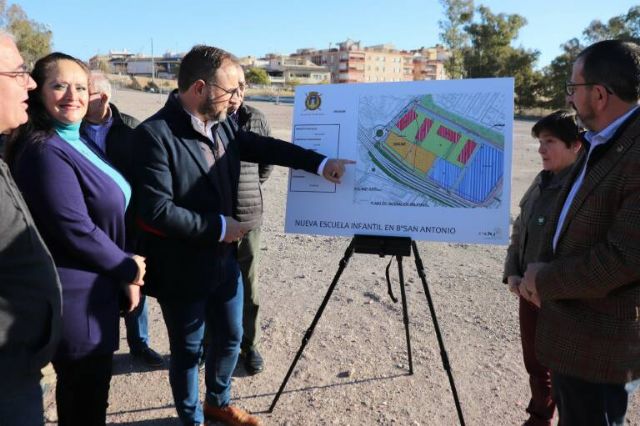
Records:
x=354, y=370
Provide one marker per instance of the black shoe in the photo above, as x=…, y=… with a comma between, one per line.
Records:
x=149, y=357
x=253, y=362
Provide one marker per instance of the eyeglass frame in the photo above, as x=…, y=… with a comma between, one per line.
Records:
x=232, y=92
x=22, y=76
x=569, y=87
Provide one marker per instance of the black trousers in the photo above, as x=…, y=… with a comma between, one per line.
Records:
x=82, y=390
x=582, y=403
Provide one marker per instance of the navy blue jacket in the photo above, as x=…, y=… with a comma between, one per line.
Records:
x=120, y=153
x=179, y=200
x=79, y=212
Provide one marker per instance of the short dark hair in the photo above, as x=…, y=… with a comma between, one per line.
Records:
x=562, y=124
x=40, y=125
x=614, y=64
x=201, y=63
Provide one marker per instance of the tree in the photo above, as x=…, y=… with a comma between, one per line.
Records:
x=624, y=27
x=557, y=73
x=32, y=38
x=256, y=75
x=519, y=64
x=458, y=13
x=491, y=54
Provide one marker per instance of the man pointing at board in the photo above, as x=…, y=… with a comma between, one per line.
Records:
x=188, y=162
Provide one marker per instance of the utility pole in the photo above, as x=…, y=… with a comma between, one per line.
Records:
x=153, y=65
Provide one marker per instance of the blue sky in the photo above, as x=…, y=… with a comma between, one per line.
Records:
x=85, y=27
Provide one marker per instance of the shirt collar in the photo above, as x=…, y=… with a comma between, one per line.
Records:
x=107, y=123
x=203, y=128
x=601, y=137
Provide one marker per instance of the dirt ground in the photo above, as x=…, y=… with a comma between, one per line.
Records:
x=354, y=369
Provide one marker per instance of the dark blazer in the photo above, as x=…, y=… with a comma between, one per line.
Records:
x=589, y=322
x=30, y=304
x=180, y=200
x=80, y=213
x=119, y=142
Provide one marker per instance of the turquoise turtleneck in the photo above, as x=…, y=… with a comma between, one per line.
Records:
x=70, y=133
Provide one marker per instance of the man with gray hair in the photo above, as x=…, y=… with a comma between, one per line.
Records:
x=112, y=131
x=30, y=299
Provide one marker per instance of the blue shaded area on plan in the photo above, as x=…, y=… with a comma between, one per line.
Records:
x=482, y=175
x=477, y=180
x=445, y=174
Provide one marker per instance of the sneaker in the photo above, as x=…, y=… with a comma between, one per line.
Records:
x=149, y=357
x=230, y=415
x=253, y=362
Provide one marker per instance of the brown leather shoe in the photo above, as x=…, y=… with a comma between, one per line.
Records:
x=230, y=415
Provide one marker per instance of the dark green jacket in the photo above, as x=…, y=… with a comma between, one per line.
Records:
x=530, y=227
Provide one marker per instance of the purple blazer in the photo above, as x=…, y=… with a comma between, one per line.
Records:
x=79, y=211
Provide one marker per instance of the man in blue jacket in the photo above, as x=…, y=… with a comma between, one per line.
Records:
x=187, y=159
x=30, y=302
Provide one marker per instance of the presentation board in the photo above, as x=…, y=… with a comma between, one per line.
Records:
x=433, y=160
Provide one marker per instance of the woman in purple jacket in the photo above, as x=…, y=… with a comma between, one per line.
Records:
x=78, y=201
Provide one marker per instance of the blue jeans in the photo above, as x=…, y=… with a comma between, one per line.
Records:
x=137, y=325
x=23, y=408
x=583, y=403
x=185, y=320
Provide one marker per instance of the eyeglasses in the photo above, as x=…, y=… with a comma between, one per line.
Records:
x=570, y=88
x=22, y=76
x=233, y=92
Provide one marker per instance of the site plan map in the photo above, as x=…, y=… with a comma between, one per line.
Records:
x=433, y=160
x=442, y=151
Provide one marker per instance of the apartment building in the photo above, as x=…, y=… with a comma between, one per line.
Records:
x=384, y=63
x=428, y=63
x=288, y=70
x=123, y=62
x=349, y=62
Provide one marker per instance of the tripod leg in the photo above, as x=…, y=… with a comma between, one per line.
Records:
x=443, y=351
x=405, y=313
x=309, y=332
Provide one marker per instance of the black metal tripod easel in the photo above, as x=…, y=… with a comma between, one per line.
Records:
x=383, y=246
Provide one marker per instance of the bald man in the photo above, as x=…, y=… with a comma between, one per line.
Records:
x=30, y=301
